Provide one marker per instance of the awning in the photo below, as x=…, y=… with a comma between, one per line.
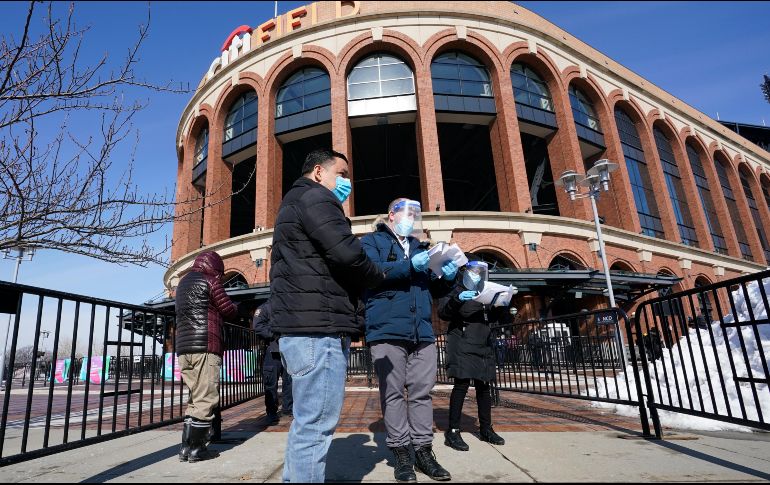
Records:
x=627, y=286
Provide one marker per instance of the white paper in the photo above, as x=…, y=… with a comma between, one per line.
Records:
x=443, y=252
x=497, y=294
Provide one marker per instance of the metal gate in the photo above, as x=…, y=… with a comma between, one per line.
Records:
x=704, y=352
x=110, y=370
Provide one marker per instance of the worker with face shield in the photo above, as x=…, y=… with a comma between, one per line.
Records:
x=400, y=335
x=470, y=353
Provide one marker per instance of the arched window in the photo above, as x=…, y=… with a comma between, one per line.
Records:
x=675, y=189
x=305, y=90
x=200, y=157
x=235, y=281
x=644, y=197
x=732, y=208
x=380, y=75
x=492, y=259
x=720, y=245
x=704, y=302
x=241, y=123
x=746, y=183
x=765, y=191
x=583, y=110
x=564, y=262
x=457, y=73
x=201, y=147
x=529, y=89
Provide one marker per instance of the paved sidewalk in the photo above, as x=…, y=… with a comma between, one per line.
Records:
x=547, y=439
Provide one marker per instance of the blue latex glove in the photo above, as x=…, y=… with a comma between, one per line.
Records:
x=450, y=270
x=468, y=295
x=420, y=261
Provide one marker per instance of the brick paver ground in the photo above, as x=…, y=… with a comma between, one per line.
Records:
x=517, y=412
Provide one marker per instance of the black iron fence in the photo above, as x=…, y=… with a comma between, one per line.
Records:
x=705, y=352
x=112, y=371
x=576, y=356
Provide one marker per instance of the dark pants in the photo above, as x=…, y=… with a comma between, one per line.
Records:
x=271, y=370
x=483, y=401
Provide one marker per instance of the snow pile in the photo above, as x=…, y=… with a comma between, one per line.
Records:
x=676, y=366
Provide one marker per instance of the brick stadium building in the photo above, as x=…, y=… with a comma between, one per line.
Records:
x=473, y=108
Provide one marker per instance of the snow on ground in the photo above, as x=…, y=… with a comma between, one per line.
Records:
x=693, y=373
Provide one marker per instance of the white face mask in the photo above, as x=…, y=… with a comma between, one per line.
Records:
x=404, y=227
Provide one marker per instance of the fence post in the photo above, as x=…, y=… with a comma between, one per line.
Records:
x=650, y=402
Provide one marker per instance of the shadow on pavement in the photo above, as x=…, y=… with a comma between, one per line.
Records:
x=228, y=442
x=711, y=459
x=355, y=448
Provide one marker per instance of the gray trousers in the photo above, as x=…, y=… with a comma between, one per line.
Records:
x=406, y=373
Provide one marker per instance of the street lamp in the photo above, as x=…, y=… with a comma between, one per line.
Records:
x=596, y=181
x=19, y=253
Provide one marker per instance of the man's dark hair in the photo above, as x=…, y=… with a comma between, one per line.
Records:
x=320, y=156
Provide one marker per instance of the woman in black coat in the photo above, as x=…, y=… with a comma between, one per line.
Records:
x=470, y=354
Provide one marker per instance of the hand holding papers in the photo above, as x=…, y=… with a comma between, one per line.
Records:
x=495, y=294
x=443, y=252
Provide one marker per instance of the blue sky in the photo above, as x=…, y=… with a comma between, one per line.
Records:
x=712, y=55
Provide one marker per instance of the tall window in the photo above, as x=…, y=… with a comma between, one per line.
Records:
x=380, y=75
x=704, y=193
x=732, y=208
x=306, y=89
x=675, y=189
x=583, y=110
x=460, y=74
x=644, y=197
x=765, y=193
x=201, y=147
x=746, y=184
x=242, y=117
x=529, y=89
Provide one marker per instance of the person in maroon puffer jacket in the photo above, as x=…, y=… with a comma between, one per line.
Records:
x=201, y=307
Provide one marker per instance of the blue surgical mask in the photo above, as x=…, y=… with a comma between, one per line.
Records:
x=342, y=189
x=404, y=227
x=471, y=280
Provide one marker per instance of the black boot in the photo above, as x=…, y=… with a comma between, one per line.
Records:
x=184, y=450
x=199, y=434
x=427, y=464
x=453, y=440
x=404, y=468
x=489, y=435
x=215, y=432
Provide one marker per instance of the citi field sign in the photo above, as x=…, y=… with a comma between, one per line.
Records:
x=245, y=38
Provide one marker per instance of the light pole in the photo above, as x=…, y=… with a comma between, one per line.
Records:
x=597, y=180
x=20, y=253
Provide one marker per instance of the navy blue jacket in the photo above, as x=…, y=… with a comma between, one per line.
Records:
x=400, y=308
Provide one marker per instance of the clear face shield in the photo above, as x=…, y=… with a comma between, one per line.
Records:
x=476, y=273
x=407, y=218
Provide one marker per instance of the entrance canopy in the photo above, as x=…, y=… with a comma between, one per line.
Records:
x=628, y=286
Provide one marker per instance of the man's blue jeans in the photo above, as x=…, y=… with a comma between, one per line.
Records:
x=317, y=364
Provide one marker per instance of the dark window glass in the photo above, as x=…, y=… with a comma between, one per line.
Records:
x=704, y=193
x=306, y=89
x=583, y=110
x=201, y=147
x=641, y=186
x=675, y=189
x=242, y=116
x=525, y=80
x=746, y=184
x=457, y=73
x=732, y=208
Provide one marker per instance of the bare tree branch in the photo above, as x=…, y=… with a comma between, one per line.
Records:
x=69, y=191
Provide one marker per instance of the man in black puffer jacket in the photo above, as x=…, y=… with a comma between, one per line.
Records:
x=201, y=305
x=318, y=271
